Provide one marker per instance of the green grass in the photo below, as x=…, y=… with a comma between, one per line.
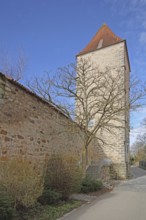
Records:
x=50, y=212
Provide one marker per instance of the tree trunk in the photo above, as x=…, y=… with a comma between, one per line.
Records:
x=85, y=159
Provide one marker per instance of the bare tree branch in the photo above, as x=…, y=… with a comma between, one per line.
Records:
x=87, y=94
x=12, y=69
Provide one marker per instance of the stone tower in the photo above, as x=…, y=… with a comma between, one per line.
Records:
x=108, y=50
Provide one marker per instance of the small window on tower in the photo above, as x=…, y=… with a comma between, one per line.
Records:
x=100, y=43
x=91, y=123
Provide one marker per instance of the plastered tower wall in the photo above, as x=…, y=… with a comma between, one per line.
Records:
x=115, y=56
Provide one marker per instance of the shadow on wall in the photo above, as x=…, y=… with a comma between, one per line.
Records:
x=106, y=170
x=100, y=170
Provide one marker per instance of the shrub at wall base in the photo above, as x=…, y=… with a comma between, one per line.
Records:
x=63, y=174
x=21, y=181
x=6, y=205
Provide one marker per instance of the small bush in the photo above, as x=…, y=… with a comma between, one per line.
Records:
x=49, y=197
x=49, y=212
x=21, y=181
x=90, y=185
x=63, y=175
x=6, y=206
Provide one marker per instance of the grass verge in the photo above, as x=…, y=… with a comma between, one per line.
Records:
x=49, y=212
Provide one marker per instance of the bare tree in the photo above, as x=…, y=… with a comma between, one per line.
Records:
x=97, y=100
x=10, y=68
x=42, y=86
x=139, y=146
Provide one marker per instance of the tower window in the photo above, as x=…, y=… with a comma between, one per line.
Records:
x=91, y=123
x=100, y=43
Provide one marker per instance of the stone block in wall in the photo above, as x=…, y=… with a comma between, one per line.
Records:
x=105, y=173
x=93, y=171
x=102, y=170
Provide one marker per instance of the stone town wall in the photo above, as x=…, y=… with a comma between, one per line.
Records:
x=117, y=150
x=34, y=129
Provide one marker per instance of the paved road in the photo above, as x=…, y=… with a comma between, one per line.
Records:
x=126, y=202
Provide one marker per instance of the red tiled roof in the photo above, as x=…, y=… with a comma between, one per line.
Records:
x=103, y=38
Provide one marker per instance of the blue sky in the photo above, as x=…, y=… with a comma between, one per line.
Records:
x=51, y=32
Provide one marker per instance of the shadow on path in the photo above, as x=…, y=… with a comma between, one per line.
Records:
x=137, y=172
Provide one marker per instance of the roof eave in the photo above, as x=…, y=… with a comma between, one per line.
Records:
x=83, y=53
x=127, y=55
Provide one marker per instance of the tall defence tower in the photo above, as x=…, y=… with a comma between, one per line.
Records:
x=107, y=50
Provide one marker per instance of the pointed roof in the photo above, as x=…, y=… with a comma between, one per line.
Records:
x=103, y=38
